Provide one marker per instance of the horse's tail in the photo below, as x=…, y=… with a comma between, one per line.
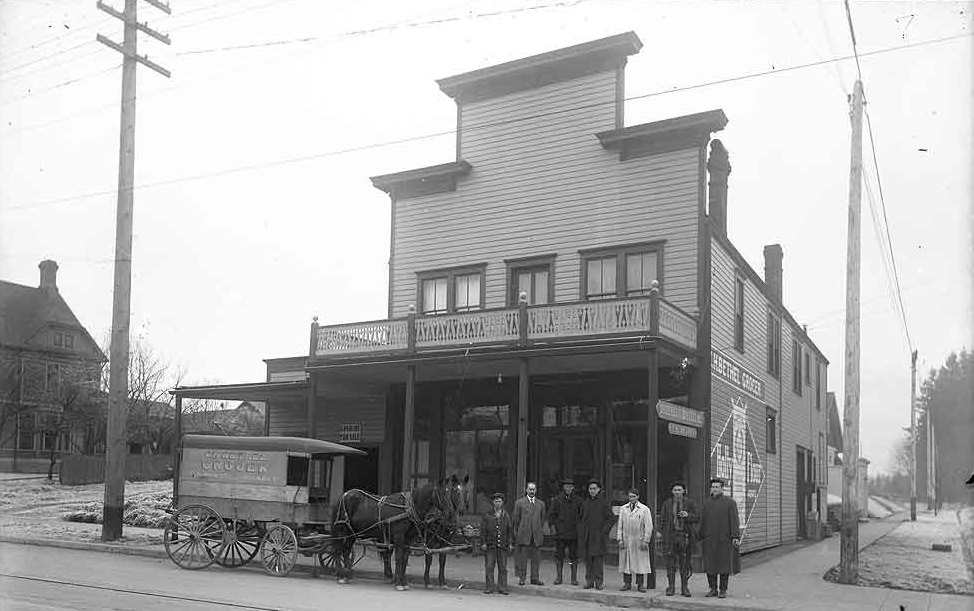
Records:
x=342, y=532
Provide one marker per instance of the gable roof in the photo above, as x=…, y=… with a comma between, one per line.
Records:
x=835, y=428
x=25, y=310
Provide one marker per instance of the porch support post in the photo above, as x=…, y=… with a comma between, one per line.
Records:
x=408, y=416
x=177, y=449
x=312, y=407
x=652, y=448
x=523, y=398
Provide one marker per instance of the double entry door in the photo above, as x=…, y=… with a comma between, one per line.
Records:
x=575, y=454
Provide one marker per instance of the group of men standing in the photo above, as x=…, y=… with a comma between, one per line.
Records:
x=581, y=528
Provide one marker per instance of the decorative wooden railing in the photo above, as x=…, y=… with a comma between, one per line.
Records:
x=589, y=318
x=377, y=336
x=651, y=316
x=475, y=327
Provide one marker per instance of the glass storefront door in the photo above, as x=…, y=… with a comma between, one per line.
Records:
x=574, y=454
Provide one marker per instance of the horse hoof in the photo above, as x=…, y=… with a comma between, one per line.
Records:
x=400, y=588
x=342, y=581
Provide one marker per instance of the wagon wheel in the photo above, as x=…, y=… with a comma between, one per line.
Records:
x=242, y=543
x=279, y=550
x=194, y=537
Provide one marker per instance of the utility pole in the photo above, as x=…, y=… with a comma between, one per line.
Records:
x=913, y=436
x=849, y=551
x=116, y=447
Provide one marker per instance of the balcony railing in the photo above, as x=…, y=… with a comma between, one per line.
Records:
x=522, y=325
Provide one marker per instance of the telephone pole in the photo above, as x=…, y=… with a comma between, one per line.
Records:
x=913, y=436
x=116, y=448
x=849, y=551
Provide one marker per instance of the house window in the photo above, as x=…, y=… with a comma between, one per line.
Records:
x=796, y=368
x=467, y=293
x=808, y=370
x=621, y=272
x=601, y=278
x=774, y=345
x=25, y=432
x=771, y=432
x=445, y=291
x=58, y=339
x=739, y=314
x=68, y=340
x=52, y=379
x=818, y=384
x=535, y=281
x=641, y=270
x=434, y=295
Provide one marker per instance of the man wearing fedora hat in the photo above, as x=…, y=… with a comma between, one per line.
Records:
x=563, y=516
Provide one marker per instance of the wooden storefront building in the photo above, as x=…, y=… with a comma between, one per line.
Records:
x=564, y=302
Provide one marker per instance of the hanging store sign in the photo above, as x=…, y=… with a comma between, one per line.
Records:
x=680, y=430
x=351, y=433
x=679, y=413
x=735, y=373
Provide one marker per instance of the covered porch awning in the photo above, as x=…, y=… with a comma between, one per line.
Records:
x=250, y=391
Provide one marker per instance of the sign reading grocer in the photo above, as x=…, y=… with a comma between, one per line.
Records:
x=736, y=374
x=230, y=465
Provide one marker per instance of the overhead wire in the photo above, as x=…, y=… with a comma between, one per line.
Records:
x=895, y=283
x=419, y=137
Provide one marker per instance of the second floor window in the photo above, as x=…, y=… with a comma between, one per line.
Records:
x=601, y=278
x=451, y=291
x=771, y=431
x=808, y=370
x=796, y=368
x=774, y=345
x=625, y=272
x=739, y=314
x=533, y=281
x=818, y=384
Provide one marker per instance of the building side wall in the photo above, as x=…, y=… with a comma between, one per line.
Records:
x=542, y=184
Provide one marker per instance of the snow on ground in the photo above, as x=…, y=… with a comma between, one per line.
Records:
x=903, y=559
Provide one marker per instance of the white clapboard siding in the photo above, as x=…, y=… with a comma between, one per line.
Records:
x=545, y=185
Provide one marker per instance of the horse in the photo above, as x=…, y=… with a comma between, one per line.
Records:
x=394, y=521
x=438, y=536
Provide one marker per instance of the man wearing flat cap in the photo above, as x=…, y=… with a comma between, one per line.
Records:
x=563, y=517
x=720, y=536
x=497, y=532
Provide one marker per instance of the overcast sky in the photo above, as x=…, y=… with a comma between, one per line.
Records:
x=254, y=211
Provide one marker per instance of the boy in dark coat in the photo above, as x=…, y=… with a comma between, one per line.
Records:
x=564, y=516
x=593, y=534
x=676, y=523
x=497, y=532
x=720, y=535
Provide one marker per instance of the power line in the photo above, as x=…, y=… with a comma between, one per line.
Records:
x=469, y=129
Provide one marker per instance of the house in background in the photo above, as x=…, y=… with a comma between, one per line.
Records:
x=50, y=369
x=565, y=301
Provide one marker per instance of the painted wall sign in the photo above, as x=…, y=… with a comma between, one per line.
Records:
x=735, y=373
x=681, y=430
x=679, y=413
x=735, y=458
x=351, y=433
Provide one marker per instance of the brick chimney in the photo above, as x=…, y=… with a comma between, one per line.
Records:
x=719, y=167
x=48, y=274
x=772, y=269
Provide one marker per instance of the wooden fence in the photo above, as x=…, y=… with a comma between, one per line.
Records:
x=77, y=469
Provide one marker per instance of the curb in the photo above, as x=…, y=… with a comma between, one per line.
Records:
x=653, y=600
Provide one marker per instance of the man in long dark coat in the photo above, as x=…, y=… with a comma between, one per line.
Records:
x=720, y=535
x=678, y=516
x=563, y=518
x=593, y=534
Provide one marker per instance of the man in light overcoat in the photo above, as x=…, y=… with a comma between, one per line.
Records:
x=635, y=534
x=529, y=520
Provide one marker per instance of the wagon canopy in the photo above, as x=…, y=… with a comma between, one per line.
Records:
x=267, y=444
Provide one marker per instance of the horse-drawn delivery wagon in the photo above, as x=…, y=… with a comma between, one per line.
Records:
x=239, y=497
x=236, y=498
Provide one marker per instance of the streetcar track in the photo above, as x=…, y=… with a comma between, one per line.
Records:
x=152, y=594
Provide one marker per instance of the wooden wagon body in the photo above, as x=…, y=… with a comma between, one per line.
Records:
x=235, y=497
